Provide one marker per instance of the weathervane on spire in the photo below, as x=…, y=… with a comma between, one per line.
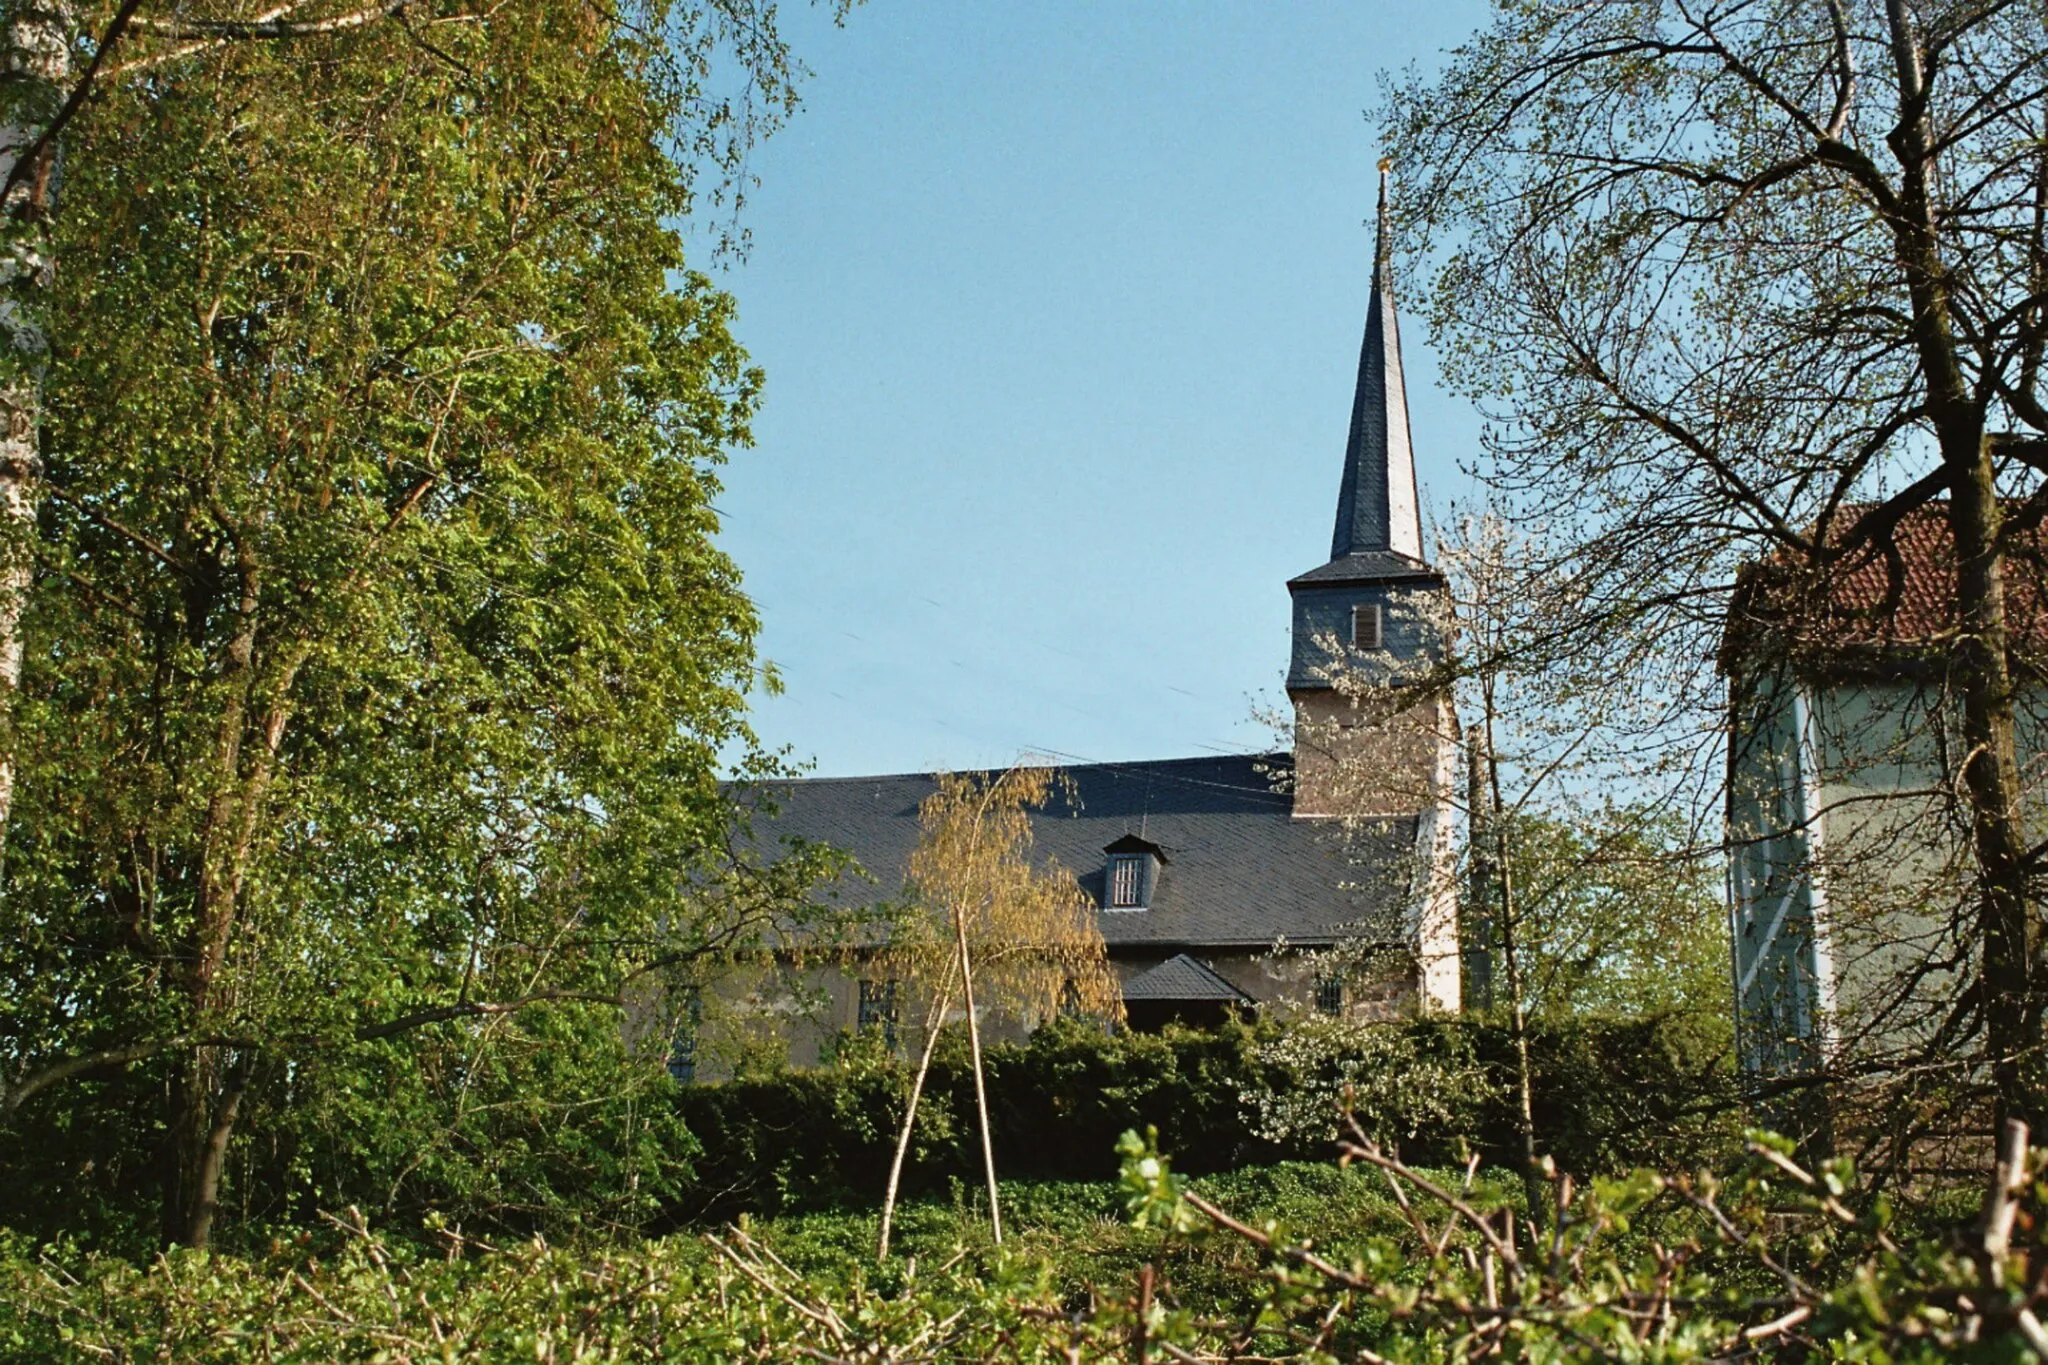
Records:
x=1382, y=253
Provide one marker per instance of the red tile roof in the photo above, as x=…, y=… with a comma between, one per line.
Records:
x=1895, y=595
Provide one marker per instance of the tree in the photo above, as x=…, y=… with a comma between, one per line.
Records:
x=1584, y=888
x=1757, y=279
x=379, y=657
x=1017, y=941
x=1619, y=913
x=63, y=59
x=1576, y=871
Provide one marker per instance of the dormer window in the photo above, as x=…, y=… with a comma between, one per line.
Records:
x=1365, y=627
x=1127, y=881
x=1132, y=874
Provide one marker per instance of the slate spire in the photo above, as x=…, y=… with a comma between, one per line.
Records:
x=1377, y=507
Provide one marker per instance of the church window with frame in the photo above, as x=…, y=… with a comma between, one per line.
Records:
x=1127, y=882
x=1330, y=995
x=682, y=1048
x=1366, y=632
x=877, y=1009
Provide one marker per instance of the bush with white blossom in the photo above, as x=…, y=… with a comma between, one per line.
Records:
x=1394, y=1084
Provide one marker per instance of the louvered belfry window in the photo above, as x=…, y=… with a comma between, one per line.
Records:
x=1126, y=882
x=1365, y=627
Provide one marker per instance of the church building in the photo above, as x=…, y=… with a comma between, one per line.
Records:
x=1220, y=883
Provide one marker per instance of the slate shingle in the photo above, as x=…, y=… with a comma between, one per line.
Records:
x=1181, y=977
x=1240, y=870
x=1368, y=566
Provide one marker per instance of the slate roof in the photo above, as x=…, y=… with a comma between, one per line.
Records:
x=1239, y=870
x=1378, y=504
x=1181, y=977
x=1364, y=566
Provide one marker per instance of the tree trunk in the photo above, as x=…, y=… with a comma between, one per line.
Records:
x=2012, y=1011
x=1518, y=1019
x=203, y=1117
x=988, y=1151
x=1480, y=934
x=1982, y=669
x=37, y=64
x=935, y=1021
x=203, y=1180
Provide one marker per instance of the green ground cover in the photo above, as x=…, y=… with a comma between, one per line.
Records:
x=1311, y=1263
x=346, y=1291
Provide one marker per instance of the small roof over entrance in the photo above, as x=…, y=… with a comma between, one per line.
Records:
x=1181, y=990
x=1183, y=978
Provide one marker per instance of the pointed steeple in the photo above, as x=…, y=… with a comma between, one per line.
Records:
x=1377, y=507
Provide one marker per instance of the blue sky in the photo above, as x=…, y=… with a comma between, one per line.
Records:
x=1060, y=306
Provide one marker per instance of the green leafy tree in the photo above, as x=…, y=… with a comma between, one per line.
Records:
x=63, y=60
x=378, y=656
x=1618, y=915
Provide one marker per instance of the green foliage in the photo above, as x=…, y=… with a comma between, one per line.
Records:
x=371, y=1298
x=1761, y=1260
x=1764, y=1259
x=1617, y=915
x=1061, y=1099
x=675, y=1298
x=1153, y=1195
x=1610, y=1094
x=1617, y=1092
x=380, y=655
x=1313, y=1071
x=822, y=1138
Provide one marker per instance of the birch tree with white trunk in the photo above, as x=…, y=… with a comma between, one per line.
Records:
x=374, y=656
x=60, y=57
x=1015, y=940
x=35, y=81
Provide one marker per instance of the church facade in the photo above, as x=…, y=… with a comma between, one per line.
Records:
x=1224, y=883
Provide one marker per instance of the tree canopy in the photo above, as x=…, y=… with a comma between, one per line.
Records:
x=379, y=658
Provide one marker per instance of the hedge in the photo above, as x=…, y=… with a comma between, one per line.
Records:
x=1609, y=1094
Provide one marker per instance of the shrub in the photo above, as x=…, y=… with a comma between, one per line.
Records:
x=1766, y=1260
x=1609, y=1094
x=1394, y=1083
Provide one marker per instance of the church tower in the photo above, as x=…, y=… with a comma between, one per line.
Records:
x=1370, y=624
x=1370, y=628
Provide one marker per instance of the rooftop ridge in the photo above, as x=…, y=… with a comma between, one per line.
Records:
x=1148, y=765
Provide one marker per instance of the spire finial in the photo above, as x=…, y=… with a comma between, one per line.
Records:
x=1382, y=247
